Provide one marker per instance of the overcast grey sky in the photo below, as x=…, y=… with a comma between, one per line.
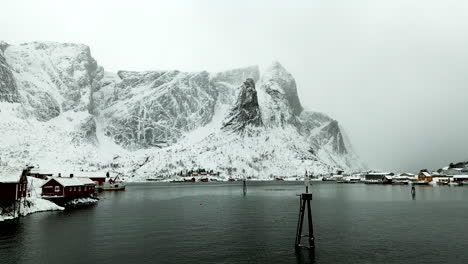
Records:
x=392, y=72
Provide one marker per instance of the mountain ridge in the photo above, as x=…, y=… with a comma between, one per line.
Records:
x=86, y=117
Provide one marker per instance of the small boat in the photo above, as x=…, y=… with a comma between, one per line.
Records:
x=118, y=186
x=203, y=180
x=351, y=182
x=114, y=185
x=189, y=179
x=279, y=179
x=455, y=184
x=327, y=179
x=442, y=183
x=231, y=179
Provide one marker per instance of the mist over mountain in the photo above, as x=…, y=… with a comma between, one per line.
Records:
x=61, y=110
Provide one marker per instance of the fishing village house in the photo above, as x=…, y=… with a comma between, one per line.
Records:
x=13, y=184
x=377, y=176
x=68, y=187
x=405, y=177
x=460, y=178
x=424, y=176
x=434, y=176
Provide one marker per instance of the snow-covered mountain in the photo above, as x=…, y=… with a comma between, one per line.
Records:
x=60, y=110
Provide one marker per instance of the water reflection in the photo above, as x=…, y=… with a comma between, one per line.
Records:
x=11, y=240
x=215, y=223
x=305, y=255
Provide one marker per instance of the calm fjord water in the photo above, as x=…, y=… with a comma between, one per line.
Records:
x=215, y=223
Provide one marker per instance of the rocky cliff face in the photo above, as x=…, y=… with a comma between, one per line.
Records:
x=145, y=109
x=237, y=121
x=321, y=131
x=155, y=108
x=8, y=89
x=53, y=77
x=245, y=113
x=280, y=102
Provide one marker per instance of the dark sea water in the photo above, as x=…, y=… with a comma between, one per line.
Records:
x=215, y=223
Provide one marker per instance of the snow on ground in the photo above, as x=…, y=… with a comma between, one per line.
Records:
x=34, y=203
x=201, y=133
x=82, y=201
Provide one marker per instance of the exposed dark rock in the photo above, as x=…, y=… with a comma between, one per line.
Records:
x=246, y=112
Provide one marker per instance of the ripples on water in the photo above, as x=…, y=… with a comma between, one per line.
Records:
x=215, y=223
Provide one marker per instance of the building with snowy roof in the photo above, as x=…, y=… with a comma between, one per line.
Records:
x=460, y=178
x=63, y=187
x=424, y=176
x=13, y=183
x=377, y=176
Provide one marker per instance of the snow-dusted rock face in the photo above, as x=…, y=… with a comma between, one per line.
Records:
x=53, y=77
x=156, y=108
x=245, y=113
x=280, y=102
x=322, y=131
x=58, y=108
x=227, y=82
x=145, y=109
x=8, y=88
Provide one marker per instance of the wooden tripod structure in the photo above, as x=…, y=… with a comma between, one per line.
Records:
x=305, y=199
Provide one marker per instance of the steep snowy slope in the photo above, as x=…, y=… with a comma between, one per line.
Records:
x=59, y=109
x=8, y=88
x=53, y=77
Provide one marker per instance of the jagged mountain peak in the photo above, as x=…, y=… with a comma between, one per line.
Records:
x=237, y=74
x=276, y=71
x=276, y=79
x=278, y=96
x=3, y=46
x=246, y=112
x=53, y=44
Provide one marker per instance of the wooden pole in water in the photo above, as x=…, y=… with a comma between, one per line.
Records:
x=244, y=186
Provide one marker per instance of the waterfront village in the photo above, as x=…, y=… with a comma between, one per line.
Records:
x=28, y=190
x=454, y=174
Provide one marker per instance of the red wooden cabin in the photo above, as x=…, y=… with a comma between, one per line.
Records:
x=61, y=187
x=98, y=180
x=13, y=184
